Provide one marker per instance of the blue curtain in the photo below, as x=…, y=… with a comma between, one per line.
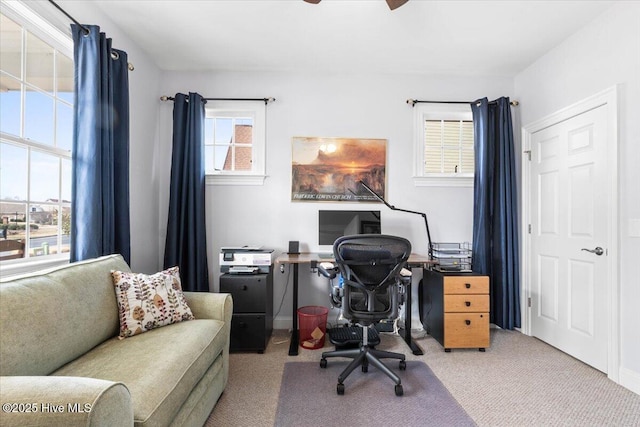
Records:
x=186, y=244
x=100, y=171
x=495, y=209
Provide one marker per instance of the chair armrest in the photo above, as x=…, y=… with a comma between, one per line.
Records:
x=207, y=305
x=68, y=401
x=405, y=276
x=328, y=270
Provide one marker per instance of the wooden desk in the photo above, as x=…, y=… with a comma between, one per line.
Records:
x=415, y=260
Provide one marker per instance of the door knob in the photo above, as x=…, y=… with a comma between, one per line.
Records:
x=598, y=250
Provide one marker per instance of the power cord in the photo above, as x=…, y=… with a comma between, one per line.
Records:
x=284, y=293
x=273, y=341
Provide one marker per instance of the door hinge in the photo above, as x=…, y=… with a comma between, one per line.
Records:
x=529, y=228
x=528, y=153
x=529, y=302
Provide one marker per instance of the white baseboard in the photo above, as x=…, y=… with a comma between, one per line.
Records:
x=630, y=379
x=282, y=323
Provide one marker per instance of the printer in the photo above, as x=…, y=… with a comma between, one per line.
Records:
x=246, y=260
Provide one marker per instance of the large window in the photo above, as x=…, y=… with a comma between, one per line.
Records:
x=444, y=153
x=36, y=125
x=234, y=142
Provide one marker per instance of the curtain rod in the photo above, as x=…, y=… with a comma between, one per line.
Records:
x=86, y=31
x=413, y=102
x=265, y=100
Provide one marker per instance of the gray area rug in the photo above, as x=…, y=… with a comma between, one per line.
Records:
x=308, y=398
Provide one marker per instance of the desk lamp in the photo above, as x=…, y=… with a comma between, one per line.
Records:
x=393, y=208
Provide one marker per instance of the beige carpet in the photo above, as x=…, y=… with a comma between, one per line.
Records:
x=518, y=381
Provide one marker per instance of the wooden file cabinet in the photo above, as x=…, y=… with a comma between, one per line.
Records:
x=252, y=321
x=454, y=309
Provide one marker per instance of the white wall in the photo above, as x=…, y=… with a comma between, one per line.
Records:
x=601, y=55
x=143, y=104
x=331, y=105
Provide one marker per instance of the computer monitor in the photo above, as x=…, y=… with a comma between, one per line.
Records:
x=337, y=223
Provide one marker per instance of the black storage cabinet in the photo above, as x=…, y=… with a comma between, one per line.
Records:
x=252, y=321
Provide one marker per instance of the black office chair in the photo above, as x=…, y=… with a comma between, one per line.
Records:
x=371, y=266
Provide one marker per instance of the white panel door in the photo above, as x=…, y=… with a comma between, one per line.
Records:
x=569, y=289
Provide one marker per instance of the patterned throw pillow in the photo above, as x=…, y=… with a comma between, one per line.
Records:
x=146, y=302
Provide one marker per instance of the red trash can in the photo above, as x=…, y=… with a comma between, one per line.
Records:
x=312, y=326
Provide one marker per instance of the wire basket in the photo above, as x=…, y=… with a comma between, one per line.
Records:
x=452, y=256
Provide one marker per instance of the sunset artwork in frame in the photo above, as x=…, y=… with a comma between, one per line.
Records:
x=330, y=169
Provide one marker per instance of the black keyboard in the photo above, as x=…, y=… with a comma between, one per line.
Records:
x=352, y=335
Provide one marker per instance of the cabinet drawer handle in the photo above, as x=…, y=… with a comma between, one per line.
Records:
x=468, y=322
x=467, y=303
x=467, y=285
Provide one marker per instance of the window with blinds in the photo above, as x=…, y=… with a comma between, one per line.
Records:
x=448, y=146
x=443, y=145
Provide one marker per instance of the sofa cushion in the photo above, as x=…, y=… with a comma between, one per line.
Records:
x=52, y=317
x=147, y=302
x=160, y=367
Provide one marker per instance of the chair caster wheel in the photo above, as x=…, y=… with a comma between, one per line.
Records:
x=403, y=365
x=323, y=363
x=365, y=368
x=447, y=350
x=340, y=389
x=481, y=349
x=399, y=390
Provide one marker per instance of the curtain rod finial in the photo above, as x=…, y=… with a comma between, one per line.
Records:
x=515, y=103
x=411, y=101
x=164, y=98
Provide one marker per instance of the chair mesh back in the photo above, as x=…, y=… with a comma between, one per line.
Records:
x=370, y=264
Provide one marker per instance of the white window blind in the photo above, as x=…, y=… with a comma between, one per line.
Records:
x=448, y=146
x=443, y=145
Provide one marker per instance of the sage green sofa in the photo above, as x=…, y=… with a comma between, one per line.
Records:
x=62, y=364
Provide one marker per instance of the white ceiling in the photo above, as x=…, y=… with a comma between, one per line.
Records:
x=429, y=37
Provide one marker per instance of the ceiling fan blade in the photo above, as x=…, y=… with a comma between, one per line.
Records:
x=393, y=4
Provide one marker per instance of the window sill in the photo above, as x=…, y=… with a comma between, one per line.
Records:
x=443, y=181
x=29, y=265
x=231, y=179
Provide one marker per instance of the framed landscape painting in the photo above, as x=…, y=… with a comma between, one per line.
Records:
x=330, y=169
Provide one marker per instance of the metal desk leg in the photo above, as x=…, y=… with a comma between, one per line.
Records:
x=406, y=332
x=293, y=346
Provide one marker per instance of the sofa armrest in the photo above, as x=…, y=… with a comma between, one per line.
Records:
x=217, y=306
x=68, y=401
x=207, y=305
